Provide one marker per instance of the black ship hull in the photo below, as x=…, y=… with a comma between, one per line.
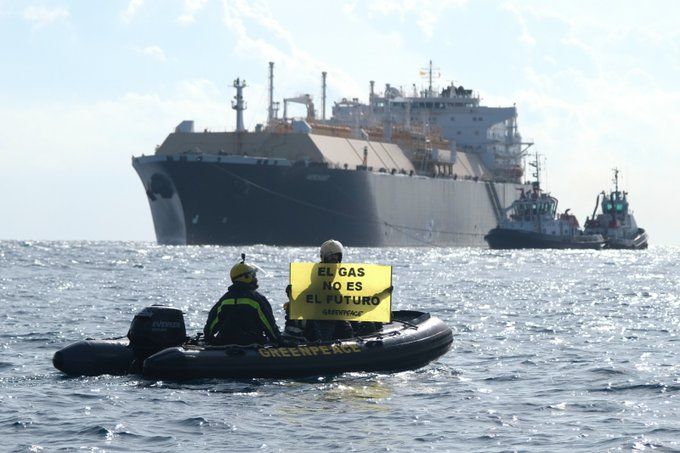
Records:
x=232, y=200
x=502, y=238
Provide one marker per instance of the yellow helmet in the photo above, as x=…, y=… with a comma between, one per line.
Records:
x=243, y=272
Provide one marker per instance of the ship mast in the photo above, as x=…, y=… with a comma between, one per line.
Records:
x=238, y=104
x=387, y=128
x=323, y=95
x=429, y=73
x=537, y=173
x=616, y=180
x=270, y=112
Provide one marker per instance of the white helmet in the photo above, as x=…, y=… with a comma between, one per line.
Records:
x=329, y=248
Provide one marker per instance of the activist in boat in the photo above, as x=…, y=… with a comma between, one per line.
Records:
x=334, y=301
x=242, y=340
x=242, y=316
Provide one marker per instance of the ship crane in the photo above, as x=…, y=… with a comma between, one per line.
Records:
x=304, y=99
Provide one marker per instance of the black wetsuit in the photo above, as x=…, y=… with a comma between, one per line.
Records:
x=328, y=330
x=242, y=316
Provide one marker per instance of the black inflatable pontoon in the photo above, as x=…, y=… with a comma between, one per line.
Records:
x=158, y=348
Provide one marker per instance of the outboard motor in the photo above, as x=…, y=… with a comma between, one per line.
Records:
x=155, y=328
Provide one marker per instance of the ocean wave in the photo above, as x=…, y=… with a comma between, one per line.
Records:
x=654, y=388
x=195, y=421
x=607, y=371
x=96, y=431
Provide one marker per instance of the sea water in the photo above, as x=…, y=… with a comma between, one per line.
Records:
x=552, y=351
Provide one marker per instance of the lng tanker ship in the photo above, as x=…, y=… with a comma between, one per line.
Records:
x=427, y=168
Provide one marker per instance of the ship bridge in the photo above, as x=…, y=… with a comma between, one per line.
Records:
x=455, y=113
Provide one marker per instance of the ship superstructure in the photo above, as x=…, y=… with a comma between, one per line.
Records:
x=454, y=113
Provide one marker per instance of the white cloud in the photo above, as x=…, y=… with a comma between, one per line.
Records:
x=41, y=16
x=191, y=7
x=426, y=22
x=131, y=10
x=387, y=7
x=424, y=13
x=154, y=52
x=186, y=19
x=277, y=44
x=350, y=7
x=259, y=13
x=526, y=37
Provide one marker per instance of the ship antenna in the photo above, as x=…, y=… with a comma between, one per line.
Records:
x=616, y=180
x=536, y=174
x=429, y=73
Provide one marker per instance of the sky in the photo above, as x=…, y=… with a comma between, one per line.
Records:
x=86, y=85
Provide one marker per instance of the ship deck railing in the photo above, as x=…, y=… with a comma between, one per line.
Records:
x=282, y=162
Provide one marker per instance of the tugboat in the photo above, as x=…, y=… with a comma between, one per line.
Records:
x=533, y=223
x=615, y=223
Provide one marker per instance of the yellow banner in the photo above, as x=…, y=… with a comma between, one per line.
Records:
x=342, y=291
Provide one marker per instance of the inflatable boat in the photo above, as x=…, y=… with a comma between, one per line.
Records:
x=157, y=347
